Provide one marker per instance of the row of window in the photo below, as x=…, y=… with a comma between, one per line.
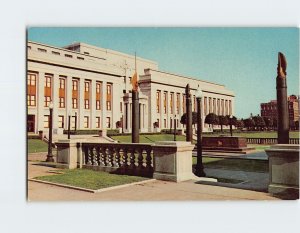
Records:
x=31, y=96
x=214, y=105
x=86, y=122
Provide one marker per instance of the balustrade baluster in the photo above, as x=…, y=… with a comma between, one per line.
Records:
x=110, y=151
x=125, y=158
x=132, y=159
x=86, y=154
x=104, y=156
x=118, y=160
x=148, y=159
x=140, y=159
x=89, y=160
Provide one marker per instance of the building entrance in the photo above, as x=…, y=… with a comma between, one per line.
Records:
x=30, y=123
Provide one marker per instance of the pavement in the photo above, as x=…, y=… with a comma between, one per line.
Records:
x=156, y=190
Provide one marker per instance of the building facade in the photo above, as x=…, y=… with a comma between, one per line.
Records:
x=270, y=109
x=92, y=85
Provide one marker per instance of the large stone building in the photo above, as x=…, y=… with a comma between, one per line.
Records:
x=270, y=109
x=92, y=85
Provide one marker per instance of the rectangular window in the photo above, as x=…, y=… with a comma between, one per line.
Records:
x=47, y=90
x=205, y=106
x=158, y=101
x=62, y=92
x=165, y=102
x=42, y=50
x=98, y=95
x=80, y=58
x=46, y=121
x=171, y=102
x=165, y=123
x=55, y=53
x=87, y=95
x=61, y=122
x=31, y=89
x=121, y=107
x=194, y=103
x=98, y=122
x=61, y=102
x=68, y=55
x=86, y=122
x=108, y=97
x=74, y=85
x=108, y=122
x=73, y=120
x=74, y=103
x=183, y=103
x=178, y=103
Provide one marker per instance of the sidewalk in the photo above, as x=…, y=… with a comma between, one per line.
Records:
x=152, y=191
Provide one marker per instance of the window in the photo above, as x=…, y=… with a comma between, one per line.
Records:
x=177, y=103
x=98, y=91
x=86, y=122
x=55, y=53
x=108, y=122
x=87, y=104
x=62, y=83
x=31, y=89
x=194, y=100
x=97, y=122
x=183, y=103
x=61, y=90
x=28, y=47
x=121, y=107
x=108, y=97
x=74, y=85
x=80, y=58
x=61, y=122
x=47, y=100
x=42, y=50
x=165, y=102
x=86, y=53
x=165, y=123
x=158, y=101
x=74, y=103
x=87, y=95
x=171, y=102
x=73, y=122
x=46, y=121
x=61, y=102
x=48, y=81
x=108, y=106
x=68, y=55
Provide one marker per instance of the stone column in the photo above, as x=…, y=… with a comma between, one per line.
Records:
x=67, y=153
x=40, y=101
x=172, y=161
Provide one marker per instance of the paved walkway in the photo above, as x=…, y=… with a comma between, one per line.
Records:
x=153, y=191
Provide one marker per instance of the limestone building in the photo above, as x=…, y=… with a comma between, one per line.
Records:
x=92, y=85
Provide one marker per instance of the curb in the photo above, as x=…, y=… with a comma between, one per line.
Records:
x=91, y=190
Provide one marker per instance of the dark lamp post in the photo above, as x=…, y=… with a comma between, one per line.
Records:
x=199, y=166
x=49, y=155
x=230, y=122
x=75, y=121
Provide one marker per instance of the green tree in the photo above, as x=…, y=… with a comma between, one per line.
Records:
x=240, y=124
x=184, y=118
x=223, y=120
x=259, y=122
x=249, y=123
x=212, y=119
x=269, y=122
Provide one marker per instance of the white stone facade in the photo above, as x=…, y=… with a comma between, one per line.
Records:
x=99, y=80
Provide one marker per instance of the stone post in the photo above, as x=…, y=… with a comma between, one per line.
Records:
x=172, y=161
x=282, y=104
x=67, y=153
x=284, y=170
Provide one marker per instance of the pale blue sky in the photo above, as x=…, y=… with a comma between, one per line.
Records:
x=243, y=59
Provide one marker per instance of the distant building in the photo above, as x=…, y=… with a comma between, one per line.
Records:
x=270, y=109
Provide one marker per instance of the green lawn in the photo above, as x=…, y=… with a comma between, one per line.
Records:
x=264, y=134
x=90, y=179
x=37, y=145
x=149, y=138
x=235, y=164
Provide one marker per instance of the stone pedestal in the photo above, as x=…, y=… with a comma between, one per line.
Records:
x=231, y=144
x=67, y=153
x=284, y=170
x=172, y=161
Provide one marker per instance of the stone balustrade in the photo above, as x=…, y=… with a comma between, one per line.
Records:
x=170, y=161
x=269, y=141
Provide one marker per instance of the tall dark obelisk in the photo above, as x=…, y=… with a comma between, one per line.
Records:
x=282, y=104
x=189, y=136
x=135, y=137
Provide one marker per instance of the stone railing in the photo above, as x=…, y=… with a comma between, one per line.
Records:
x=167, y=160
x=131, y=159
x=269, y=141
